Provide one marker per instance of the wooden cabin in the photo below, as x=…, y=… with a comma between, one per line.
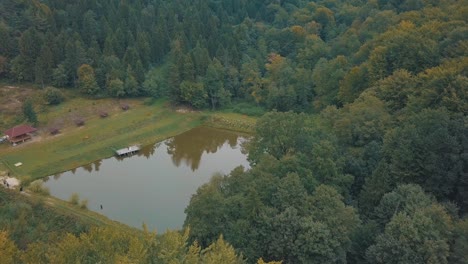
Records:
x=19, y=134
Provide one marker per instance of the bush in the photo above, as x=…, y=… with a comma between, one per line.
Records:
x=79, y=122
x=37, y=187
x=53, y=96
x=125, y=107
x=74, y=199
x=103, y=114
x=149, y=101
x=248, y=109
x=84, y=204
x=54, y=131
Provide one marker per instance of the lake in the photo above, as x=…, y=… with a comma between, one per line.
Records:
x=155, y=185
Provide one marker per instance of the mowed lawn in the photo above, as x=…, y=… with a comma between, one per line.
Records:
x=98, y=138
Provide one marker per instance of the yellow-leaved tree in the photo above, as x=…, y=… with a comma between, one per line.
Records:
x=8, y=250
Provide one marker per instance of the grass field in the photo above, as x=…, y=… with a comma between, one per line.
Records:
x=97, y=139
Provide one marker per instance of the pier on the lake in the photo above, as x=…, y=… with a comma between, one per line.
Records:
x=128, y=150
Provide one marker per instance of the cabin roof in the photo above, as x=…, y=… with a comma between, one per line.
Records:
x=19, y=130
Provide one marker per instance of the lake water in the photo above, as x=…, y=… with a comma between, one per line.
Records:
x=154, y=186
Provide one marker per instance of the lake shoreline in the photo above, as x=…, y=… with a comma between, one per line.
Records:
x=79, y=146
x=154, y=185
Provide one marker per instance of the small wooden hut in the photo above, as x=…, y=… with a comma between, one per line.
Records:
x=20, y=134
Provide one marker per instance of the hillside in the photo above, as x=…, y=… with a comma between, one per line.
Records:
x=361, y=151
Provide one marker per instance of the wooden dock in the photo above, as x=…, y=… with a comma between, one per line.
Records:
x=128, y=150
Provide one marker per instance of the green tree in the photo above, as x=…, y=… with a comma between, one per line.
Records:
x=155, y=83
x=87, y=80
x=353, y=84
x=53, y=96
x=443, y=86
x=214, y=85
x=278, y=134
x=30, y=44
x=115, y=87
x=74, y=57
x=327, y=75
x=396, y=89
x=194, y=93
x=29, y=112
x=44, y=65
x=396, y=51
x=59, y=76
x=279, y=79
x=421, y=237
x=459, y=245
x=311, y=51
x=131, y=84
x=364, y=121
x=220, y=252
x=427, y=150
x=252, y=85
x=405, y=198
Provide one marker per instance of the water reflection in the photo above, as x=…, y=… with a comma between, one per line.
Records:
x=97, y=164
x=149, y=151
x=155, y=185
x=190, y=146
x=57, y=176
x=186, y=148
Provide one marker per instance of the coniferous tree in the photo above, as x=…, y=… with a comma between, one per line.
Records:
x=29, y=112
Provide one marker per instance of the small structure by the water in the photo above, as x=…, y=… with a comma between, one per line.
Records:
x=128, y=150
x=19, y=134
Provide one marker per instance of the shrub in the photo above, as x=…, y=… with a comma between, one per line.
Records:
x=54, y=131
x=38, y=188
x=103, y=114
x=53, y=96
x=248, y=109
x=74, y=199
x=79, y=122
x=84, y=204
x=125, y=107
x=149, y=101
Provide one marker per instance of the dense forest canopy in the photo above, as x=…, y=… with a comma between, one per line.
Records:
x=285, y=55
x=363, y=157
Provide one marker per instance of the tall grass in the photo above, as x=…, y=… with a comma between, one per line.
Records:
x=74, y=199
x=38, y=188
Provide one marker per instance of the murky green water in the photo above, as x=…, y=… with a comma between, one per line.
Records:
x=154, y=186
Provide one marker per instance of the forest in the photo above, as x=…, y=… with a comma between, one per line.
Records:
x=360, y=151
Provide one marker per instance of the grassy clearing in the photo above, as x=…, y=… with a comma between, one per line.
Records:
x=74, y=147
x=232, y=121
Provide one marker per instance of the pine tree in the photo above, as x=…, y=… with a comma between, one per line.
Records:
x=44, y=64
x=28, y=111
